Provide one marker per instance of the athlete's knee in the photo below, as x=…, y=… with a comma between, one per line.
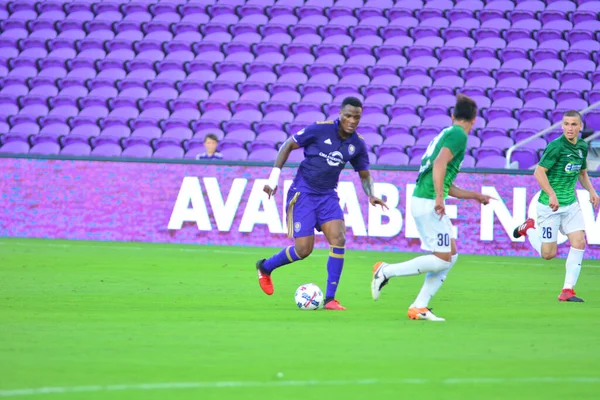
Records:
x=338, y=240
x=303, y=250
x=548, y=254
x=578, y=242
x=549, y=250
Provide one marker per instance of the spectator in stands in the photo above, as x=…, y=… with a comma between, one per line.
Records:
x=210, y=144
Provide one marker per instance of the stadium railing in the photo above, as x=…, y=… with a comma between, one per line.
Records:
x=511, y=149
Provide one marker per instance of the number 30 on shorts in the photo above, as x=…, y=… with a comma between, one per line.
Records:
x=443, y=239
x=547, y=232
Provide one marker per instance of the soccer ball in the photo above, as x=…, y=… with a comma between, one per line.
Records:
x=309, y=297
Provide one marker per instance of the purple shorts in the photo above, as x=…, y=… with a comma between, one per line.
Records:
x=307, y=211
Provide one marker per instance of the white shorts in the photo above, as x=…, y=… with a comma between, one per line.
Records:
x=567, y=219
x=435, y=233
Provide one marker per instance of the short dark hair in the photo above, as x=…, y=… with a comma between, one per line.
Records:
x=211, y=136
x=351, y=101
x=465, y=109
x=573, y=113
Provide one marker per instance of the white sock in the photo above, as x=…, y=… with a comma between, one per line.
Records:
x=573, y=267
x=433, y=282
x=416, y=266
x=534, y=238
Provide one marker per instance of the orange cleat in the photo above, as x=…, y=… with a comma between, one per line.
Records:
x=334, y=305
x=422, y=314
x=264, y=279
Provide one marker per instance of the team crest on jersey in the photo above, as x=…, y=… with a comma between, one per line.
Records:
x=580, y=154
x=297, y=226
x=351, y=149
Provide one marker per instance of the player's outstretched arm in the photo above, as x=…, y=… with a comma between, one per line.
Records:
x=459, y=193
x=284, y=153
x=542, y=178
x=585, y=181
x=367, y=184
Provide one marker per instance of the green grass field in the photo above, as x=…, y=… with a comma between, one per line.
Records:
x=89, y=320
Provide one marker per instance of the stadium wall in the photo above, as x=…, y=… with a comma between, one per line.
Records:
x=223, y=204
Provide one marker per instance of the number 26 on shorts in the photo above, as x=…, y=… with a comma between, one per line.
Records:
x=547, y=233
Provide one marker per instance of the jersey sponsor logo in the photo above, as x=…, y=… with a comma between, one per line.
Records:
x=571, y=168
x=335, y=158
x=351, y=149
x=327, y=141
x=300, y=132
x=580, y=154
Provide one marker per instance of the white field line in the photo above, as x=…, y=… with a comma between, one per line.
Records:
x=218, y=251
x=289, y=383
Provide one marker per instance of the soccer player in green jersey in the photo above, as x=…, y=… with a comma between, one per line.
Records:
x=562, y=165
x=439, y=166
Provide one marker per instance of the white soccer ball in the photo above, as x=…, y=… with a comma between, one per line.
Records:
x=309, y=297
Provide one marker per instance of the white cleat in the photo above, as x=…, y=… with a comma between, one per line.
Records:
x=424, y=314
x=379, y=279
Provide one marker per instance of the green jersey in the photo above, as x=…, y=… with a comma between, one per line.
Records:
x=455, y=139
x=563, y=160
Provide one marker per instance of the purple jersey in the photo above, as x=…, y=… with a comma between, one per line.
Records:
x=326, y=155
x=205, y=156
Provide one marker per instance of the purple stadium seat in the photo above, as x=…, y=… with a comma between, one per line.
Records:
x=497, y=162
x=51, y=11
x=494, y=146
x=558, y=25
x=107, y=11
x=538, y=124
x=263, y=154
x=15, y=147
x=525, y=156
x=44, y=146
x=68, y=87
x=106, y=150
x=33, y=105
x=473, y=141
x=528, y=113
x=514, y=83
x=396, y=142
x=521, y=134
x=576, y=84
x=542, y=103
x=164, y=12
x=137, y=151
x=395, y=158
x=531, y=5
x=573, y=103
x=235, y=154
x=76, y=149
x=503, y=123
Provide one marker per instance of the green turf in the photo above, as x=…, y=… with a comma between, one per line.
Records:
x=86, y=313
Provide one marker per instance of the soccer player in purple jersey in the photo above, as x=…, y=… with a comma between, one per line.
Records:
x=312, y=200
